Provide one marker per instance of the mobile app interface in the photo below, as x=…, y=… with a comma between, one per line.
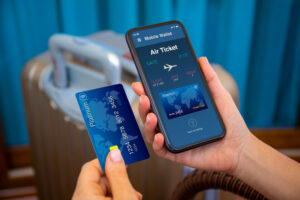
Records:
x=176, y=84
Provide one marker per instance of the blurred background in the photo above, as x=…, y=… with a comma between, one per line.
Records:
x=256, y=41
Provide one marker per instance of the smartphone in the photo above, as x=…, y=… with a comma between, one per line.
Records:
x=173, y=80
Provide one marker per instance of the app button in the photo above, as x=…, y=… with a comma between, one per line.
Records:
x=192, y=123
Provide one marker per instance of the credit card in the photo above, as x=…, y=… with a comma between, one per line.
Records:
x=183, y=100
x=111, y=123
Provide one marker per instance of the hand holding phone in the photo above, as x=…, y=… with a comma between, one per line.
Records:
x=178, y=93
x=219, y=156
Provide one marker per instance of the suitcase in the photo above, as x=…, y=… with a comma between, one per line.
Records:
x=59, y=141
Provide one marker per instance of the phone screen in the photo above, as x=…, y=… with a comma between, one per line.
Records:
x=172, y=73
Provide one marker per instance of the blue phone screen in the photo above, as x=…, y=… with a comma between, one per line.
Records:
x=185, y=107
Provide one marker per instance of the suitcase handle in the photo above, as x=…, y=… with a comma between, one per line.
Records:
x=61, y=43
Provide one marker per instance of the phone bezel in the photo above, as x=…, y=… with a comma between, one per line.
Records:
x=149, y=92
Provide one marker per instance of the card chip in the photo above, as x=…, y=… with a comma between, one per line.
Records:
x=113, y=147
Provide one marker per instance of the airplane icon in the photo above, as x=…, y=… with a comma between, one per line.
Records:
x=169, y=67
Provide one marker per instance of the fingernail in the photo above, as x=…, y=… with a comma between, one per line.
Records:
x=206, y=59
x=155, y=138
x=147, y=119
x=141, y=99
x=115, y=155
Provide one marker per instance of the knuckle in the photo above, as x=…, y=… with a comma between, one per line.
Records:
x=85, y=166
x=148, y=139
x=116, y=172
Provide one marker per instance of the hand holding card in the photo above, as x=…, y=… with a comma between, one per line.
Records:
x=111, y=123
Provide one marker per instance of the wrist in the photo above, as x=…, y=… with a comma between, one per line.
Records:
x=268, y=171
x=246, y=154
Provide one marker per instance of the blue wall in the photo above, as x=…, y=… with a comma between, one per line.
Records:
x=258, y=42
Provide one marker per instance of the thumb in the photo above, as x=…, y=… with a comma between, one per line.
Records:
x=211, y=77
x=116, y=174
x=222, y=98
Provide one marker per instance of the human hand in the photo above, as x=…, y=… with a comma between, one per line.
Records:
x=114, y=184
x=222, y=155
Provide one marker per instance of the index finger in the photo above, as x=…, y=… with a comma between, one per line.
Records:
x=138, y=88
x=88, y=182
x=91, y=172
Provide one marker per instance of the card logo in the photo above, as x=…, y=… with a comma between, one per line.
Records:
x=82, y=96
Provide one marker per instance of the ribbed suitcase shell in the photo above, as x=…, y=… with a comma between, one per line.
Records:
x=60, y=146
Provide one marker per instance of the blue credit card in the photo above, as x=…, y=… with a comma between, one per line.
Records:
x=111, y=123
x=183, y=100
